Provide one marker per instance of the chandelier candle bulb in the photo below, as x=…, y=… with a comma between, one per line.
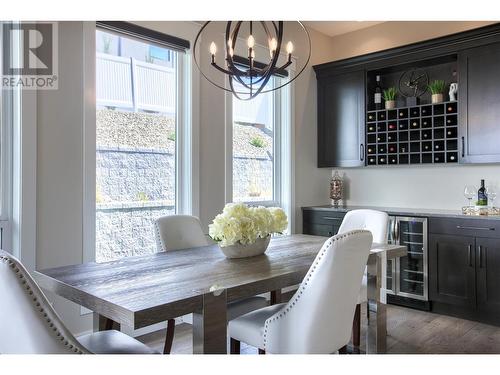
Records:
x=251, y=42
x=273, y=45
x=289, y=48
x=213, y=50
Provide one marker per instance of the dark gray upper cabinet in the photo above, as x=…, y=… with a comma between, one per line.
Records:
x=479, y=99
x=341, y=109
x=344, y=85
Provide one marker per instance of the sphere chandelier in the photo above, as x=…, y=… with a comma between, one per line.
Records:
x=248, y=75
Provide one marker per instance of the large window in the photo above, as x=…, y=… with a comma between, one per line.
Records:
x=256, y=147
x=137, y=134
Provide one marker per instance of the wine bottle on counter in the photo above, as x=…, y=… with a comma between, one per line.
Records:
x=482, y=198
x=378, y=94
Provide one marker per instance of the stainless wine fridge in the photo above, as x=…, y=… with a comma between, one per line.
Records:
x=407, y=277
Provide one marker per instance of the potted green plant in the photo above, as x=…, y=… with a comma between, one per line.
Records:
x=390, y=98
x=437, y=88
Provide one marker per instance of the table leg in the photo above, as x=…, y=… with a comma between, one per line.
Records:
x=210, y=325
x=376, y=332
x=101, y=323
x=275, y=296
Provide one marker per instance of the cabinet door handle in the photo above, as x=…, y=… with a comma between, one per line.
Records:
x=474, y=228
x=463, y=146
x=480, y=248
x=362, y=152
x=469, y=254
x=331, y=218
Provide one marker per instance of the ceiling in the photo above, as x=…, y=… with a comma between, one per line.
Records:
x=334, y=28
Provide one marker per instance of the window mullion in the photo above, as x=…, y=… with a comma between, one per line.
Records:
x=277, y=143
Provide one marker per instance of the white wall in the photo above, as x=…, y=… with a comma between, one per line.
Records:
x=311, y=183
x=418, y=186
x=60, y=168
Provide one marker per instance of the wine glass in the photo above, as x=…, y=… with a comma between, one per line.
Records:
x=470, y=192
x=491, y=192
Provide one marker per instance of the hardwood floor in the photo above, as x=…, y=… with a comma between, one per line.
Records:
x=408, y=332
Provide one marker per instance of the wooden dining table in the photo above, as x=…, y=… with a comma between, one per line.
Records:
x=139, y=291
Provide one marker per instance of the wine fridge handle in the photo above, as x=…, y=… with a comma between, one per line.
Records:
x=396, y=231
x=480, y=248
x=469, y=254
x=463, y=146
x=362, y=152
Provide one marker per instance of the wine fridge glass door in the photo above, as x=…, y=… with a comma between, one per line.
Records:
x=411, y=270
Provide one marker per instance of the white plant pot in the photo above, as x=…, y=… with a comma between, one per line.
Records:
x=437, y=98
x=390, y=104
x=245, y=251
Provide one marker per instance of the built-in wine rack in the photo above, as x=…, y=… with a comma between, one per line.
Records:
x=423, y=134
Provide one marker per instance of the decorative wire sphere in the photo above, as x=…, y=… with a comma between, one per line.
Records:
x=247, y=73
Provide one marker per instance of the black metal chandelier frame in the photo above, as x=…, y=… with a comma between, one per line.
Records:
x=253, y=78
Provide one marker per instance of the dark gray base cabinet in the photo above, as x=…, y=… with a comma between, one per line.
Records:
x=464, y=268
x=321, y=223
x=452, y=275
x=488, y=275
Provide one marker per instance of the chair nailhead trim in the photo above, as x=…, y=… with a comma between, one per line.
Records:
x=41, y=310
x=297, y=295
x=157, y=228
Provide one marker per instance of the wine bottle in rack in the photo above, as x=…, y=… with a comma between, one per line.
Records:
x=377, y=98
x=482, y=198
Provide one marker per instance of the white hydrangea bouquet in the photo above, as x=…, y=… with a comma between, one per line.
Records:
x=244, y=231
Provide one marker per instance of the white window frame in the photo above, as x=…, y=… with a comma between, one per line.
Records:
x=6, y=112
x=185, y=163
x=18, y=125
x=277, y=151
x=7, y=108
x=283, y=138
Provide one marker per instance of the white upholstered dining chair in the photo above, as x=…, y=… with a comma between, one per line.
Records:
x=29, y=324
x=177, y=232
x=318, y=318
x=377, y=223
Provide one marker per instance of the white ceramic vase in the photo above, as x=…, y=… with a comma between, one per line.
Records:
x=245, y=251
x=437, y=98
x=390, y=104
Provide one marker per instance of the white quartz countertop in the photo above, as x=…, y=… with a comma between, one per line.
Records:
x=405, y=211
